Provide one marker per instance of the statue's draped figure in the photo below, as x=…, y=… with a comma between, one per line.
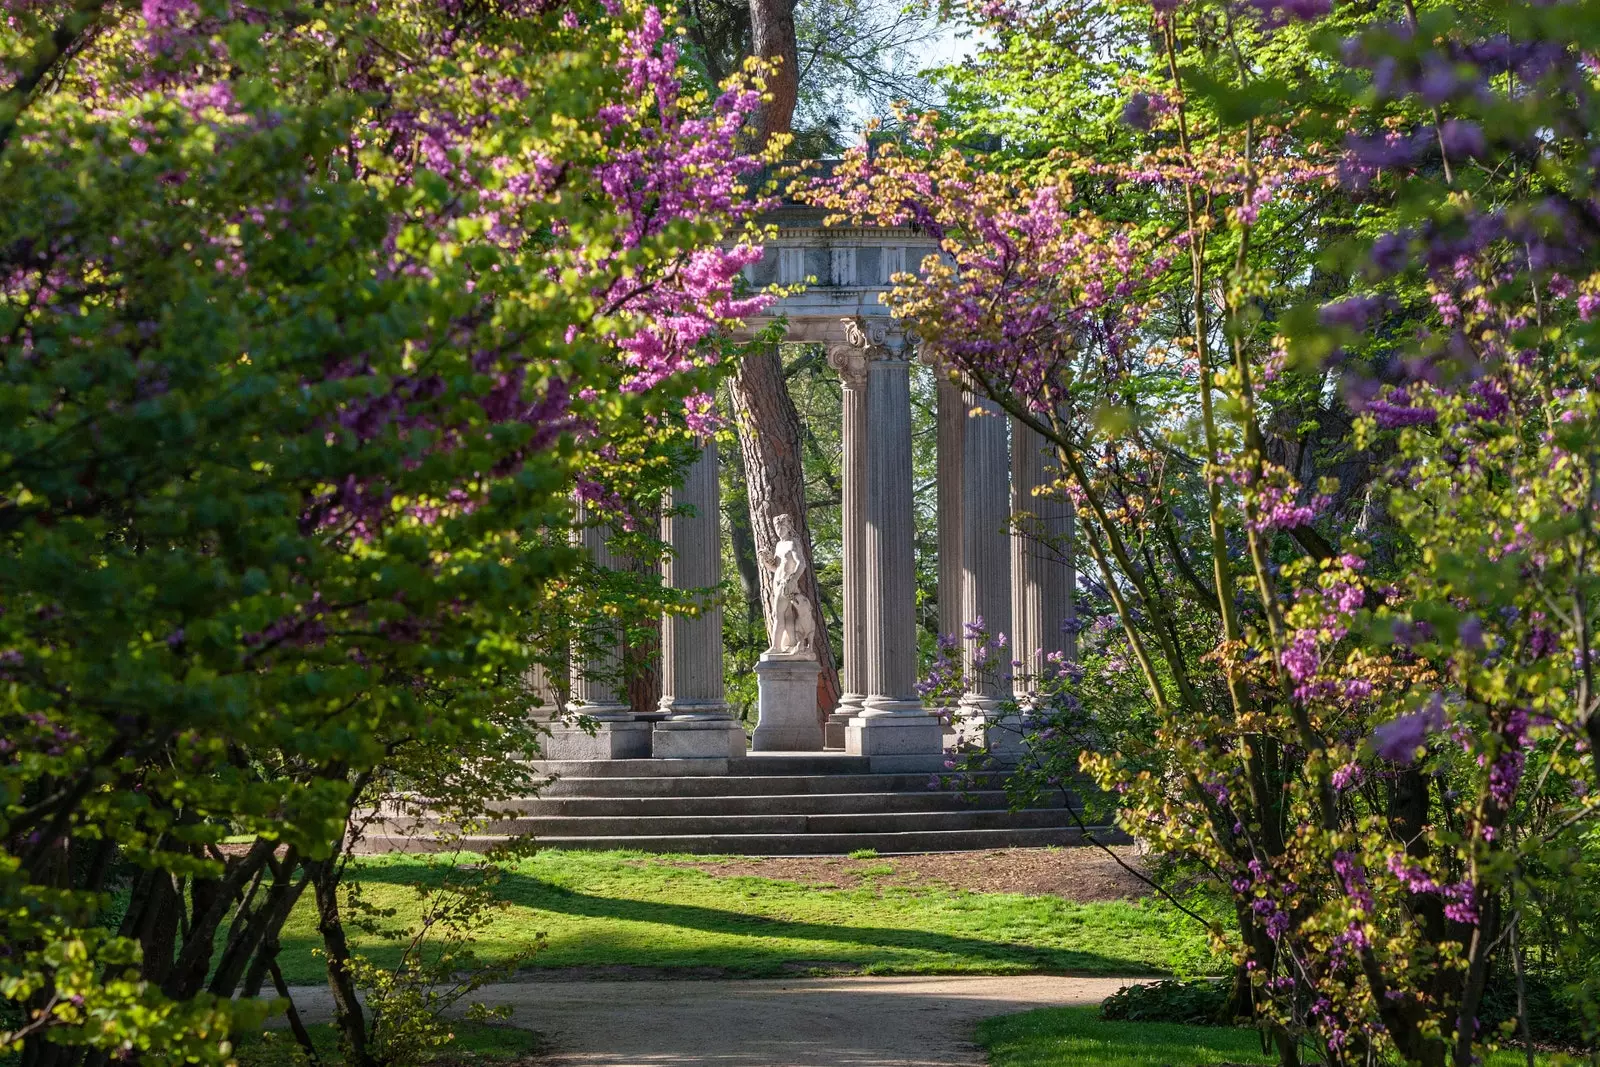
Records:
x=793, y=630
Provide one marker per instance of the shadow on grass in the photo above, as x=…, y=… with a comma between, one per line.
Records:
x=536, y=893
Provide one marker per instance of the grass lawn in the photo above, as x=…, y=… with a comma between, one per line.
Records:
x=474, y=1043
x=1076, y=1037
x=608, y=909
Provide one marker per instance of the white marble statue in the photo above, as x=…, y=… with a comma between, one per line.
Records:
x=793, y=628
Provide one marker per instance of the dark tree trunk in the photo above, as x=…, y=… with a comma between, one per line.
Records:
x=769, y=425
x=772, y=38
x=745, y=561
x=348, y=1015
x=769, y=437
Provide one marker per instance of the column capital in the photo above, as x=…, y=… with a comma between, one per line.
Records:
x=877, y=337
x=850, y=362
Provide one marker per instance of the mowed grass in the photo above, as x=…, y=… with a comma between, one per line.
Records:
x=627, y=909
x=1077, y=1037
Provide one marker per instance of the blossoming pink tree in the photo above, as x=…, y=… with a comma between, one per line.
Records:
x=311, y=320
x=1382, y=758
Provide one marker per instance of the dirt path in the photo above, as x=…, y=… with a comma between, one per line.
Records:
x=808, y=1022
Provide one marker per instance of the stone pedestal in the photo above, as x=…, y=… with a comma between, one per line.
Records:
x=897, y=744
x=701, y=737
x=1001, y=735
x=788, y=705
x=612, y=739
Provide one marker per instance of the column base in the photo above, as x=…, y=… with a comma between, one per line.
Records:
x=850, y=705
x=697, y=737
x=787, y=705
x=997, y=730
x=702, y=709
x=612, y=739
x=900, y=743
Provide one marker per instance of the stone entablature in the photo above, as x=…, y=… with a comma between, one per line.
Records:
x=845, y=269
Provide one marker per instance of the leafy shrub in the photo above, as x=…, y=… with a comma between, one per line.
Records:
x=1197, y=1002
x=1554, y=1015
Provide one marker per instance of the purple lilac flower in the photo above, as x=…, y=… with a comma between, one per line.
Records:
x=1352, y=314
x=1390, y=252
x=1136, y=112
x=1462, y=139
x=1398, y=740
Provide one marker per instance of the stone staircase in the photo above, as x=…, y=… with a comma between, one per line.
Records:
x=768, y=804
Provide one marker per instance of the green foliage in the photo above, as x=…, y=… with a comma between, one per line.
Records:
x=1195, y=1003
x=439, y=966
x=1342, y=545
x=312, y=326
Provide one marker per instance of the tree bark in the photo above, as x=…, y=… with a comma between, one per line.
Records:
x=769, y=425
x=772, y=38
x=348, y=1015
x=769, y=438
x=745, y=561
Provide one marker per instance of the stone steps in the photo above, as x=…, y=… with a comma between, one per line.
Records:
x=755, y=764
x=736, y=785
x=885, y=844
x=545, y=827
x=819, y=803
x=790, y=804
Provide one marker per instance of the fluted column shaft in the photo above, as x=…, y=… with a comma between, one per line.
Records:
x=691, y=646
x=851, y=363
x=951, y=424
x=890, y=533
x=1044, y=572
x=986, y=550
x=596, y=669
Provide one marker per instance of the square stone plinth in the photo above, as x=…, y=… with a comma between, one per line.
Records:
x=612, y=739
x=897, y=744
x=787, y=705
x=1004, y=738
x=720, y=738
x=1000, y=734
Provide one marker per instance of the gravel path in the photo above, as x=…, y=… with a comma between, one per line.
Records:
x=804, y=1022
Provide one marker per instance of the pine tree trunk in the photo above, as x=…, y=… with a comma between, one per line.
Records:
x=769, y=438
x=772, y=37
x=745, y=561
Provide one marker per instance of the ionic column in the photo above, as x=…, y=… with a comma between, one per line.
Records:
x=691, y=646
x=986, y=553
x=952, y=421
x=699, y=725
x=890, y=532
x=1042, y=564
x=596, y=670
x=893, y=730
x=851, y=364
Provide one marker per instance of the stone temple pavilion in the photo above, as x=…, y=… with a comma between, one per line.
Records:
x=989, y=566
